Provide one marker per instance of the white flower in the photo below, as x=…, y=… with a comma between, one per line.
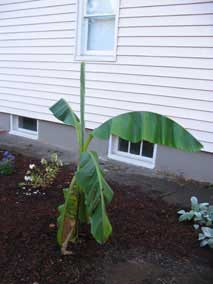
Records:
x=31, y=166
x=54, y=157
x=43, y=161
x=27, y=178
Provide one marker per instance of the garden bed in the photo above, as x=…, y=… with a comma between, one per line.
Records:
x=148, y=244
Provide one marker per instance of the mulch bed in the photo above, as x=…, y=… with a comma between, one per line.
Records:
x=28, y=248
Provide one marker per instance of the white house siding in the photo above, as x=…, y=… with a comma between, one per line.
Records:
x=164, y=62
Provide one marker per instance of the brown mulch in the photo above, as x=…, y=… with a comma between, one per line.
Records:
x=28, y=248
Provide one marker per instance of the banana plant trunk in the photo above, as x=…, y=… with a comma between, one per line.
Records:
x=74, y=192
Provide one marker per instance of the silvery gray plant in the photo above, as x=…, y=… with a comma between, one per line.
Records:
x=206, y=237
x=202, y=215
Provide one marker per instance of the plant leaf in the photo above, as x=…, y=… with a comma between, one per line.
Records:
x=181, y=212
x=204, y=243
x=83, y=215
x=149, y=126
x=194, y=204
x=208, y=232
x=196, y=226
x=63, y=112
x=67, y=216
x=194, y=200
x=186, y=216
x=201, y=237
x=97, y=194
x=210, y=243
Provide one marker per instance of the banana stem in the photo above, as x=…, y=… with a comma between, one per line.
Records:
x=82, y=103
x=88, y=141
x=65, y=243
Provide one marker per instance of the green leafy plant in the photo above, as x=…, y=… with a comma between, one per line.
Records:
x=206, y=237
x=89, y=193
x=7, y=164
x=197, y=213
x=43, y=175
x=202, y=215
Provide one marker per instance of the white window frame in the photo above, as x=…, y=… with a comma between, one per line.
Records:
x=16, y=130
x=81, y=47
x=129, y=158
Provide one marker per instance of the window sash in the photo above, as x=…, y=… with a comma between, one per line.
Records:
x=97, y=14
x=139, y=156
x=16, y=130
x=87, y=51
x=83, y=33
x=22, y=123
x=126, y=157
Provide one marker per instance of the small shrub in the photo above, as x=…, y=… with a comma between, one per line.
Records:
x=7, y=164
x=43, y=175
x=202, y=215
x=206, y=237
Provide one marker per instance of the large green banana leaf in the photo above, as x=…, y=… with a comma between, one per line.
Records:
x=149, y=126
x=62, y=111
x=97, y=194
x=67, y=216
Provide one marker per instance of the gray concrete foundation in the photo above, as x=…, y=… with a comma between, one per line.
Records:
x=197, y=166
x=4, y=121
x=65, y=137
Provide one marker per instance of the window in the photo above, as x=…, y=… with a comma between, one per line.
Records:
x=142, y=153
x=26, y=123
x=97, y=28
x=24, y=126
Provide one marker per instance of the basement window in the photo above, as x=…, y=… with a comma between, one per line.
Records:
x=141, y=154
x=24, y=126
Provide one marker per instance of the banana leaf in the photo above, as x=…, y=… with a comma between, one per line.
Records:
x=149, y=126
x=63, y=112
x=67, y=217
x=97, y=195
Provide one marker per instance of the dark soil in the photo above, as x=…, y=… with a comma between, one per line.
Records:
x=148, y=244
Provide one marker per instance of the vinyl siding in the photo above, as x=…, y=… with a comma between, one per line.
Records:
x=164, y=62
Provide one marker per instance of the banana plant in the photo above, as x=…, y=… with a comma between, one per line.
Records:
x=88, y=195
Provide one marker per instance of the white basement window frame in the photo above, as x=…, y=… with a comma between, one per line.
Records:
x=86, y=18
x=18, y=126
x=138, y=159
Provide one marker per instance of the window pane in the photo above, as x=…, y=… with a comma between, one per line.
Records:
x=27, y=123
x=148, y=149
x=100, y=7
x=123, y=145
x=135, y=148
x=101, y=34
